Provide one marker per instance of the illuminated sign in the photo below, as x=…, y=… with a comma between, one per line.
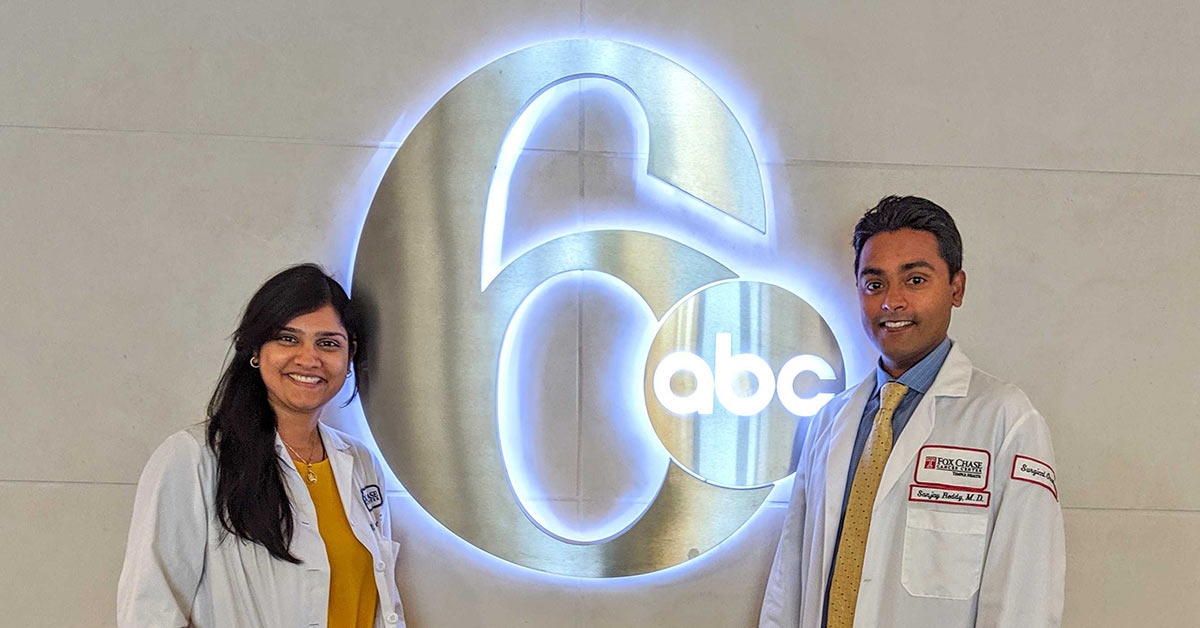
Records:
x=729, y=367
x=721, y=382
x=738, y=357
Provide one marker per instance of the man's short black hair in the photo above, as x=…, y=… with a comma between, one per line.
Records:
x=911, y=212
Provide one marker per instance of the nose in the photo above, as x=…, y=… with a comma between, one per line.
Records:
x=306, y=355
x=893, y=300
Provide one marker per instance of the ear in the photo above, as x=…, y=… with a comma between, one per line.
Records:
x=353, y=350
x=958, y=287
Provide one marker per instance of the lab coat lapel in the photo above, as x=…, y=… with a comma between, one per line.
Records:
x=293, y=483
x=841, y=443
x=342, y=464
x=341, y=460
x=952, y=381
x=920, y=425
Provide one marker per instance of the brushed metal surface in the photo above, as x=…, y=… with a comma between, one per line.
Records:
x=432, y=404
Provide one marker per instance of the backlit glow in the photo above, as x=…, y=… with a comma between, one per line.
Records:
x=721, y=383
x=659, y=208
x=733, y=243
x=700, y=399
x=727, y=369
x=797, y=405
x=626, y=415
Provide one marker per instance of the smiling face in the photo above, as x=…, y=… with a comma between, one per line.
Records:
x=906, y=293
x=304, y=364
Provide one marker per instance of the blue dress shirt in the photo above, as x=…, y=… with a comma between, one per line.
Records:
x=918, y=379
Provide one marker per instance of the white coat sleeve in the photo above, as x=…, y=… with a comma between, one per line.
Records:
x=164, y=556
x=1023, y=576
x=781, y=601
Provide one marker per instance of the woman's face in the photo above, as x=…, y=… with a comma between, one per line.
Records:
x=304, y=365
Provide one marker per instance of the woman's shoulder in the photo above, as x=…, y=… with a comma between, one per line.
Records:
x=184, y=450
x=190, y=440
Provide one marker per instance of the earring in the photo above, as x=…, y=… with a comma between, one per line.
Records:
x=347, y=372
x=254, y=362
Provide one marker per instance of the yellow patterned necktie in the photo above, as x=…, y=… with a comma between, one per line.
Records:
x=847, y=569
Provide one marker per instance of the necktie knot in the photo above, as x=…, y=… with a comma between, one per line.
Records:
x=890, y=396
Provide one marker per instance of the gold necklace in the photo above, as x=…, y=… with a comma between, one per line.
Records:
x=312, y=477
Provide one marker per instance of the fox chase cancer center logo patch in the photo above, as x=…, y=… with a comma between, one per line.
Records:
x=954, y=467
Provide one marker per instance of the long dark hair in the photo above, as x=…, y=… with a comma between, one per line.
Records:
x=251, y=500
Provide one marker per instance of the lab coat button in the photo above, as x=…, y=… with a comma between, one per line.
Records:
x=392, y=618
x=379, y=565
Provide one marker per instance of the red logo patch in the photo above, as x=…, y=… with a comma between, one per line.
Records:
x=930, y=462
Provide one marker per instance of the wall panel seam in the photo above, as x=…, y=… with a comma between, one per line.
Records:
x=69, y=482
x=1173, y=511
x=256, y=139
x=937, y=166
x=267, y=139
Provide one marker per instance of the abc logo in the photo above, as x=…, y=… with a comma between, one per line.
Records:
x=728, y=368
x=733, y=369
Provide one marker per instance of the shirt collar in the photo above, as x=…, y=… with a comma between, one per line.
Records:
x=920, y=377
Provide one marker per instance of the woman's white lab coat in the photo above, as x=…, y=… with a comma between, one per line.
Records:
x=180, y=570
x=948, y=546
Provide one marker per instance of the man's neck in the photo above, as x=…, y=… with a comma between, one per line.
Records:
x=896, y=371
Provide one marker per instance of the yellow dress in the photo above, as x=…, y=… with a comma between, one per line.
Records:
x=352, y=594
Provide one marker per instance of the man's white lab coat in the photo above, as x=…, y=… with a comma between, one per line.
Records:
x=949, y=545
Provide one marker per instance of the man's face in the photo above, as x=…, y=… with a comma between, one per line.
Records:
x=906, y=293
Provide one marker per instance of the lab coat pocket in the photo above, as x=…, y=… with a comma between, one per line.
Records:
x=943, y=553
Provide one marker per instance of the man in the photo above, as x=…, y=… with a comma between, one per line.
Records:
x=925, y=495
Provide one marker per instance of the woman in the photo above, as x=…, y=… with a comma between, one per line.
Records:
x=262, y=516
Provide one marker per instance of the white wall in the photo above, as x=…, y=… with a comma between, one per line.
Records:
x=158, y=162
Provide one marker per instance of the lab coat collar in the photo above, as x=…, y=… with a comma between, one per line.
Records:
x=332, y=438
x=955, y=376
x=921, y=375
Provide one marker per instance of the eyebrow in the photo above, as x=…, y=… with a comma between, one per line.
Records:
x=320, y=334
x=917, y=264
x=876, y=272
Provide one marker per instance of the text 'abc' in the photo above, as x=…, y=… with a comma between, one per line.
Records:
x=719, y=382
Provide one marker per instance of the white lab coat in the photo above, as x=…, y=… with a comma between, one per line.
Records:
x=179, y=571
x=937, y=563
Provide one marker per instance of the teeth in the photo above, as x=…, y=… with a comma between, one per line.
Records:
x=897, y=324
x=306, y=380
